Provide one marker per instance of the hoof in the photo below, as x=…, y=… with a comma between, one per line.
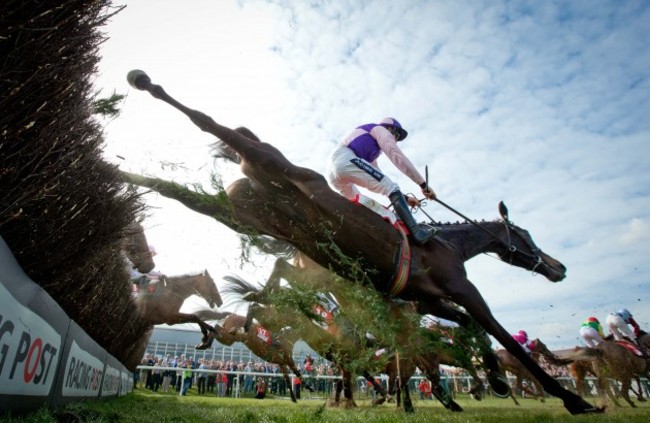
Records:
x=379, y=401
x=499, y=385
x=138, y=79
x=455, y=407
x=581, y=406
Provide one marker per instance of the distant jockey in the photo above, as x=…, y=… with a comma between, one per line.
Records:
x=522, y=338
x=618, y=325
x=592, y=332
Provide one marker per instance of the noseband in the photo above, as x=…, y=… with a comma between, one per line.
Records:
x=535, y=258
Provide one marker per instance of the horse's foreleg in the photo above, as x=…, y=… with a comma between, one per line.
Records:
x=432, y=372
x=465, y=294
x=379, y=389
x=625, y=391
x=408, y=404
x=287, y=380
x=206, y=329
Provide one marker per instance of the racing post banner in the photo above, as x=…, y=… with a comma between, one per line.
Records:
x=46, y=358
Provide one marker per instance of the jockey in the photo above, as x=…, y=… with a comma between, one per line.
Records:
x=618, y=325
x=354, y=162
x=592, y=332
x=522, y=338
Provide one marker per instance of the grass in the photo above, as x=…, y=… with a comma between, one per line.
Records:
x=145, y=406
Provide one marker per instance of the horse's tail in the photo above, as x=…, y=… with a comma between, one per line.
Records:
x=240, y=288
x=269, y=245
x=583, y=354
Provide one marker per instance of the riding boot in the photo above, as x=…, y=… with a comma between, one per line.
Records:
x=420, y=234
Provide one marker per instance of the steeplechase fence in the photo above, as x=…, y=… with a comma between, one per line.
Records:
x=46, y=359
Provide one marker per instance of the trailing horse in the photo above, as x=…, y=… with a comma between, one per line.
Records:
x=340, y=342
x=274, y=347
x=296, y=204
x=610, y=359
x=160, y=300
x=510, y=364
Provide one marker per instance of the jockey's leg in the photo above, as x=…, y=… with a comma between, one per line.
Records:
x=421, y=235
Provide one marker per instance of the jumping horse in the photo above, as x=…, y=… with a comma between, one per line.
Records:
x=274, y=347
x=340, y=343
x=354, y=242
x=160, y=300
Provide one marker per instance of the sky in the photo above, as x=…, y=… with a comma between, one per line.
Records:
x=543, y=105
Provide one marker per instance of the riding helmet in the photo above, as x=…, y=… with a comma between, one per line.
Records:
x=624, y=313
x=593, y=319
x=401, y=132
x=523, y=333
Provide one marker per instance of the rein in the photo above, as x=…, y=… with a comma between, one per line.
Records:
x=510, y=248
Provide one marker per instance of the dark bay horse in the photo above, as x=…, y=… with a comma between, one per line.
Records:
x=353, y=241
x=160, y=300
x=612, y=360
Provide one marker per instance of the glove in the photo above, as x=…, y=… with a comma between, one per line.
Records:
x=412, y=201
x=428, y=192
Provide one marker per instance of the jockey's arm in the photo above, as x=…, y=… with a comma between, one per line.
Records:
x=388, y=146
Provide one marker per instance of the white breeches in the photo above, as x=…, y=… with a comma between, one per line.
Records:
x=590, y=336
x=618, y=327
x=347, y=171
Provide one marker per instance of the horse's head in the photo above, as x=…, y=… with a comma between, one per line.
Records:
x=213, y=295
x=137, y=249
x=520, y=250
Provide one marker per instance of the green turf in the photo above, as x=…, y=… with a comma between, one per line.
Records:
x=145, y=406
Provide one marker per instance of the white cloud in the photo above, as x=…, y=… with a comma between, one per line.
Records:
x=543, y=105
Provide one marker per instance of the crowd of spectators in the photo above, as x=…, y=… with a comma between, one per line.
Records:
x=215, y=377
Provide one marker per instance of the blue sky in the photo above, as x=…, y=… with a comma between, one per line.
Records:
x=543, y=105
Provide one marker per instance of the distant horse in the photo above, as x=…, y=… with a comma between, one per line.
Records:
x=537, y=350
x=274, y=347
x=160, y=300
x=612, y=360
x=296, y=204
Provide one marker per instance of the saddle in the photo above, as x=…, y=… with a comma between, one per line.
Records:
x=146, y=283
x=403, y=259
x=631, y=348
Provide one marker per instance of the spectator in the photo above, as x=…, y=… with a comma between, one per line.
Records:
x=425, y=389
x=201, y=377
x=260, y=389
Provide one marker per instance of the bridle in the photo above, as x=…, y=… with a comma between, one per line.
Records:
x=510, y=249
